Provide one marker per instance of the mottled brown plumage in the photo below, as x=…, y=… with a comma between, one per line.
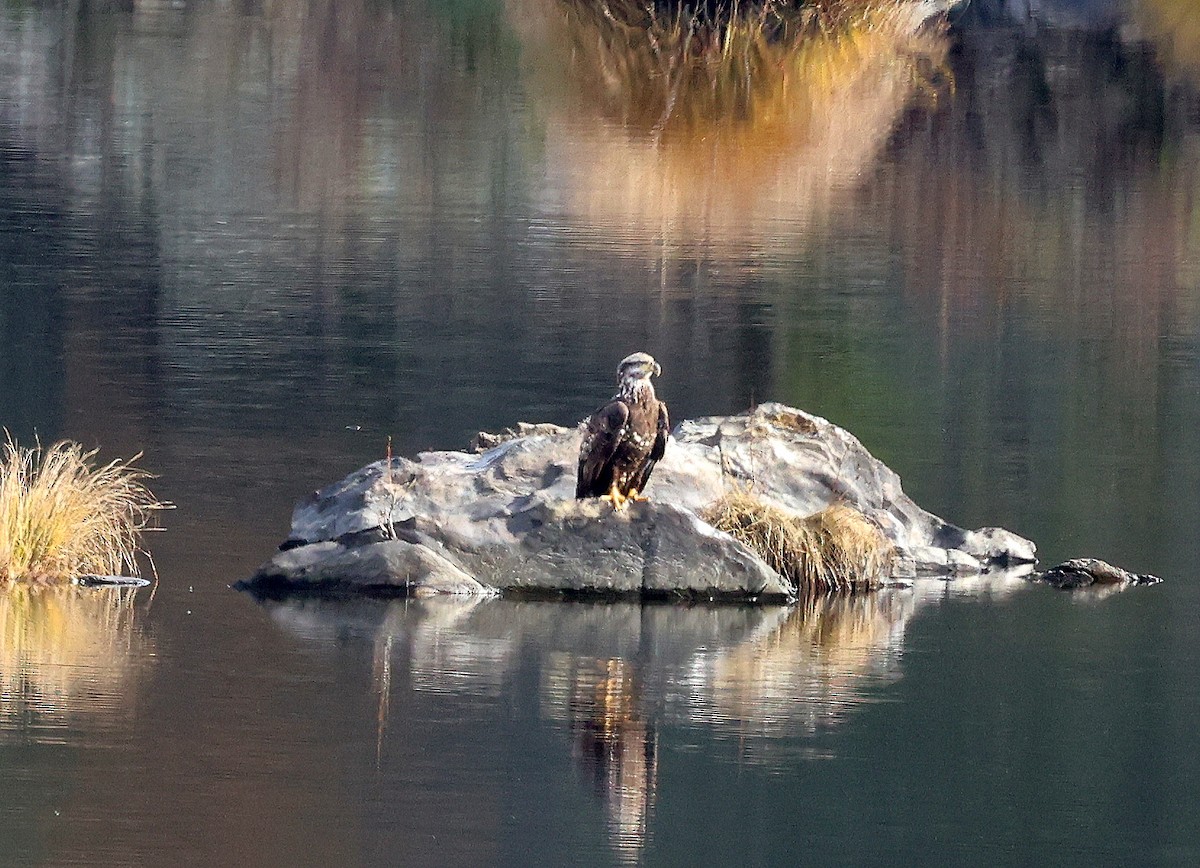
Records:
x=626, y=437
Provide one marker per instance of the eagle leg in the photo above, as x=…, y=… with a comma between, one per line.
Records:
x=636, y=496
x=615, y=497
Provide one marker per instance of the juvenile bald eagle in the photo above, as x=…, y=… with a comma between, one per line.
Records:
x=626, y=437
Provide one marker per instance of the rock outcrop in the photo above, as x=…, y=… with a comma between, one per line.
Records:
x=1093, y=573
x=506, y=519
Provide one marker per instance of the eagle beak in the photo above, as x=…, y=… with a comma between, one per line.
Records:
x=657, y=369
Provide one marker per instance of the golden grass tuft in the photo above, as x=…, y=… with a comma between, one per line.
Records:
x=62, y=516
x=835, y=550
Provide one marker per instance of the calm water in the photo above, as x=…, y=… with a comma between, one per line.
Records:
x=254, y=240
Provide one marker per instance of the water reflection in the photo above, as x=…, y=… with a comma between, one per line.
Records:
x=69, y=659
x=1175, y=30
x=231, y=229
x=1065, y=231
x=766, y=679
x=223, y=224
x=809, y=673
x=613, y=742
x=673, y=131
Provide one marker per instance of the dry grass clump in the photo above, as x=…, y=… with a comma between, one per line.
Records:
x=835, y=550
x=61, y=516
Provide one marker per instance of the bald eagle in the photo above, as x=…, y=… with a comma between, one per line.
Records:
x=625, y=438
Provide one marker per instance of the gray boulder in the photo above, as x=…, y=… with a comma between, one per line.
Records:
x=392, y=565
x=506, y=519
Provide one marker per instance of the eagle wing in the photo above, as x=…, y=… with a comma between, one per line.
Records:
x=600, y=443
x=664, y=431
x=658, y=450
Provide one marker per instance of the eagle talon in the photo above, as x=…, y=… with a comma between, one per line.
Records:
x=637, y=496
x=615, y=498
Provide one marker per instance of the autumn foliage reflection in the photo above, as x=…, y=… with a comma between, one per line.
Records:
x=1174, y=28
x=690, y=127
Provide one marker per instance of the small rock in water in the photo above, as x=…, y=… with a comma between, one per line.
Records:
x=1088, y=572
x=94, y=581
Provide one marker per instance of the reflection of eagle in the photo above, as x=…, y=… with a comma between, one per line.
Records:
x=625, y=438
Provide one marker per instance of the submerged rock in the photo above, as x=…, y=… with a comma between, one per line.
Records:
x=1092, y=572
x=507, y=519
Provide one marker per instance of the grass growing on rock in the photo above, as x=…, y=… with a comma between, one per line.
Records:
x=63, y=516
x=835, y=550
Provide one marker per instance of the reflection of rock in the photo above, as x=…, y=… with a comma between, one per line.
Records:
x=508, y=517
x=612, y=675
x=772, y=670
x=66, y=652
x=1093, y=573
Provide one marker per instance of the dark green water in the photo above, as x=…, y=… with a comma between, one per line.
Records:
x=254, y=240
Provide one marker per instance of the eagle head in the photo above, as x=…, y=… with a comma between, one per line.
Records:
x=639, y=366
